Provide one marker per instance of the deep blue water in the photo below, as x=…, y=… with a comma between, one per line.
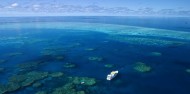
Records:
x=168, y=74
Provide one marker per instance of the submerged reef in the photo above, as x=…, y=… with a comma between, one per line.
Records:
x=90, y=49
x=37, y=84
x=105, y=41
x=1, y=70
x=32, y=64
x=68, y=88
x=56, y=74
x=41, y=92
x=28, y=66
x=188, y=70
x=139, y=40
x=74, y=85
x=142, y=67
x=59, y=58
x=156, y=54
x=20, y=81
x=2, y=61
x=35, y=79
x=53, y=50
x=19, y=40
x=12, y=41
x=94, y=58
x=77, y=44
x=83, y=80
x=109, y=65
x=35, y=40
x=69, y=65
x=47, y=53
x=105, y=28
x=14, y=54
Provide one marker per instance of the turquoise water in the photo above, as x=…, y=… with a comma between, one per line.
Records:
x=54, y=56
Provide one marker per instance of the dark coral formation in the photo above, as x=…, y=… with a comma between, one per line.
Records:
x=142, y=67
x=69, y=65
x=109, y=65
x=56, y=74
x=139, y=40
x=2, y=61
x=37, y=84
x=32, y=64
x=188, y=70
x=68, y=88
x=14, y=54
x=83, y=80
x=41, y=92
x=1, y=70
x=60, y=58
x=90, y=49
x=95, y=58
x=156, y=54
x=20, y=81
x=28, y=66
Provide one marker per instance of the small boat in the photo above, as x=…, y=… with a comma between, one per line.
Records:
x=112, y=75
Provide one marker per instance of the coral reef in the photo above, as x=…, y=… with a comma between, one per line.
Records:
x=80, y=92
x=188, y=70
x=18, y=41
x=2, y=61
x=156, y=54
x=142, y=67
x=28, y=66
x=56, y=74
x=77, y=44
x=68, y=88
x=2, y=89
x=32, y=64
x=109, y=65
x=14, y=54
x=60, y=58
x=20, y=81
x=83, y=80
x=53, y=50
x=35, y=40
x=9, y=88
x=37, y=84
x=94, y=58
x=90, y=49
x=69, y=65
x=105, y=28
x=48, y=52
x=73, y=45
x=29, y=78
x=41, y=92
x=105, y=41
x=1, y=70
x=147, y=41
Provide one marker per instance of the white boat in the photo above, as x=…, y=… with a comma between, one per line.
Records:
x=112, y=75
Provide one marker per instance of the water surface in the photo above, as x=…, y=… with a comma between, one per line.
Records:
x=50, y=44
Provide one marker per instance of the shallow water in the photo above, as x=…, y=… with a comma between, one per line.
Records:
x=48, y=46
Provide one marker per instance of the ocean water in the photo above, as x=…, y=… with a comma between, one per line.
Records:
x=42, y=55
